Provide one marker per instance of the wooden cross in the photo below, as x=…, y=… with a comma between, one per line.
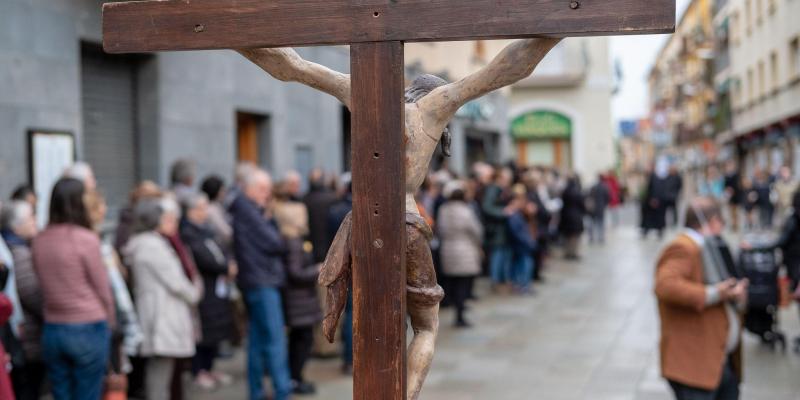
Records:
x=375, y=31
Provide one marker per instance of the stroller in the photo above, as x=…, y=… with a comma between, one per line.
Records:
x=759, y=264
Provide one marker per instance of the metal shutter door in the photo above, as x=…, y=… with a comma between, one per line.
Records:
x=109, y=113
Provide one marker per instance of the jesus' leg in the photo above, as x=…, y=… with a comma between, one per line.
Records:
x=425, y=322
x=424, y=295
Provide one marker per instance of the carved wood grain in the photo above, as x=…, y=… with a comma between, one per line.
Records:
x=379, y=275
x=141, y=26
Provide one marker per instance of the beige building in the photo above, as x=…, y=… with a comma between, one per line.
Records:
x=480, y=128
x=560, y=116
x=682, y=92
x=764, y=73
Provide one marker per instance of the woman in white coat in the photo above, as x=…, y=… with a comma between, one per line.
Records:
x=164, y=293
x=461, y=234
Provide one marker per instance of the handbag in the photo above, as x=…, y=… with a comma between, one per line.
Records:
x=115, y=387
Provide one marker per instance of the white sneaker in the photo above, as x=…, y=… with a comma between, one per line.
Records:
x=205, y=381
x=222, y=378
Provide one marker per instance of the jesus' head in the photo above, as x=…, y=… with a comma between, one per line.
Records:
x=420, y=87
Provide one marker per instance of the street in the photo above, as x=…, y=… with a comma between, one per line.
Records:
x=590, y=332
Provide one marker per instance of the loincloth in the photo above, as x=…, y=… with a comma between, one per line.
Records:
x=336, y=274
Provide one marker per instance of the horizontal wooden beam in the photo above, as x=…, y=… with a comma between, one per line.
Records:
x=143, y=26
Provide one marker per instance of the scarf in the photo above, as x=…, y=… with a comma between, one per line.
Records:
x=12, y=239
x=183, y=255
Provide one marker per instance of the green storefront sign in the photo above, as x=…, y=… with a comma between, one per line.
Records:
x=541, y=124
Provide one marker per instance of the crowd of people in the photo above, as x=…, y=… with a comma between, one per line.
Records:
x=198, y=267
x=753, y=202
x=504, y=221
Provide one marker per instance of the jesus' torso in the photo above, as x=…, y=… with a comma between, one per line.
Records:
x=421, y=142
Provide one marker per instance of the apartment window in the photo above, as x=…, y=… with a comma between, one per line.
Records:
x=794, y=58
x=762, y=88
x=759, y=11
x=771, y=6
x=774, y=73
x=734, y=29
x=748, y=16
x=737, y=101
x=751, y=92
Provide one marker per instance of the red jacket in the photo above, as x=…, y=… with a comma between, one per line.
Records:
x=613, y=190
x=6, y=391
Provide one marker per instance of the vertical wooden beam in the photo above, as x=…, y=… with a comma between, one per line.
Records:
x=379, y=273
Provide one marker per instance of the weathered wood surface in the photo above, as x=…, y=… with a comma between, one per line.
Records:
x=379, y=276
x=140, y=26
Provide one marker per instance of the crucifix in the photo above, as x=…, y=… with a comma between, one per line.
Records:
x=382, y=248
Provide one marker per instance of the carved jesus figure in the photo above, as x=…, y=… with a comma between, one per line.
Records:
x=430, y=105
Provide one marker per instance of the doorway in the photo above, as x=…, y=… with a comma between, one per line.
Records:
x=253, y=141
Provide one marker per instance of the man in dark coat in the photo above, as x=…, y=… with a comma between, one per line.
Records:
x=654, y=214
x=571, y=222
x=733, y=190
x=318, y=202
x=495, y=219
x=259, y=251
x=674, y=185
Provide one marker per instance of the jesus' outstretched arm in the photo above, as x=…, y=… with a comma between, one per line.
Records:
x=286, y=65
x=516, y=62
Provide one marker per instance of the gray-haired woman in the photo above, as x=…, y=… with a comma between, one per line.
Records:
x=164, y=294
x=18, y=229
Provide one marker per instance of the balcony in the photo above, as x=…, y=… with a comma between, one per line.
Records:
x=565, y=66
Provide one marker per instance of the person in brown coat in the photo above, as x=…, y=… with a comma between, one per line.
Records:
x=699, y=306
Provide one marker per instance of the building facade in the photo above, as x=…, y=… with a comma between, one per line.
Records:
x=728, y=85
x=560, y=116
x=764, y=74
x=683, y=94
x=480, y=129
x=131, y=116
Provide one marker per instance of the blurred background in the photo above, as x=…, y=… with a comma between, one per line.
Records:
x=579, y=149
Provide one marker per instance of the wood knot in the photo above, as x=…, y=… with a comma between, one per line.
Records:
x=199, y=28
x=378, y=243
x=574, y=5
